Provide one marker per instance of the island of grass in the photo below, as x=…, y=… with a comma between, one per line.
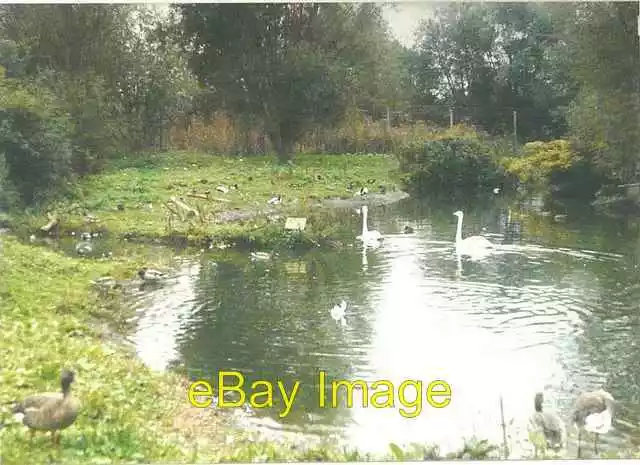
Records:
x=198, y=197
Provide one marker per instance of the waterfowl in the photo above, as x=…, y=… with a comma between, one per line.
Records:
x=473, y=245
x=223, y=189
x=148, y=274
x=83, y=248
x=260, y=256
x=275, y=200
x=593, y=412
x=548, y=423
x=50, y=411
x=106, y=282
x=408, y=229
x=496, y=190
x=337, y=312
x=368, y=237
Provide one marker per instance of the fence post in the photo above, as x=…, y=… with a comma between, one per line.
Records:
x=388, y=120
x=450, y=117
x=515, y=129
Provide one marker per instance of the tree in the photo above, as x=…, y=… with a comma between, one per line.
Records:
x=290, y=66
x=110, y=67
x=491, y=59
x=604, y=53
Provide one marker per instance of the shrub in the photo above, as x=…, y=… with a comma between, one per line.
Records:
x=99, y=129
x=8, y=195
x=554, y=166
x=452, y=166
x=539, y=160
x=34, y=140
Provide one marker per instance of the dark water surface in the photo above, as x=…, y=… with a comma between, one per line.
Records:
x=557, y=308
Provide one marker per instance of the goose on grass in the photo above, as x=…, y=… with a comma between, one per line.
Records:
x=50, y=411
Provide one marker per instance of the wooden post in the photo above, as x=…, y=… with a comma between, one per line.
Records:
x=451, y=117
x=515, y=129
x=388, y=121
x=504, y=430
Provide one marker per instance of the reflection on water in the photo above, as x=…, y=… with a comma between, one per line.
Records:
x=554, y=309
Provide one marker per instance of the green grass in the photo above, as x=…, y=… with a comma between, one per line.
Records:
x=137, y=181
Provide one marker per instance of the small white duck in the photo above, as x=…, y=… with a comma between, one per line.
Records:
x=338, y=311
x=151, y=275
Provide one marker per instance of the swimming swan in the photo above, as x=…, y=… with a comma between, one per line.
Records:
x=472, y=246
x=367, y=236
x=337, y=312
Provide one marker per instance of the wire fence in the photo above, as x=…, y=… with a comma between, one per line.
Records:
x=504, y=121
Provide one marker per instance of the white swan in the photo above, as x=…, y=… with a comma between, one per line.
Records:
x=368, y=237
x=471, y=246
x=337, y=312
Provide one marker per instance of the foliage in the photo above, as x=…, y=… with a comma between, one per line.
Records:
x=34, y=140
x=491, y=59
x=604, y=53
x=291, y=67
x=554, y=166
x=97, y=131
x=111, y=67
x=451, y=166
x=539, y=160
x=9, y=197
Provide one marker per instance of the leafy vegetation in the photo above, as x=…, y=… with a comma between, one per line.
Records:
x=539, y=160
x=452, y=167
x=34, y=141
x=299, y=66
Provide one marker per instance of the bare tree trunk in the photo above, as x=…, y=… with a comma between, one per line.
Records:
x=284, y=145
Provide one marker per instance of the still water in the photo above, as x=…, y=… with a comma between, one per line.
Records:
x=555, y=309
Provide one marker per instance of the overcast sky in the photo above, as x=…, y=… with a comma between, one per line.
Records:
x=404, y=18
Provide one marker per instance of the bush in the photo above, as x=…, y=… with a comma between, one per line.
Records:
x=34, y=141
x=8, y=195
x=98, y=129
x=539, y=160
x=451, y=166
x=554, y=166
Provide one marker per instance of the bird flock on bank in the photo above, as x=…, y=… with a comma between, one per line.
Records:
x=592, y=413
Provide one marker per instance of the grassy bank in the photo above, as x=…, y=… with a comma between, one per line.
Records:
x=129, y=196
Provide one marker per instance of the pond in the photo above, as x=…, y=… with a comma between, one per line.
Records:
x=555, y=309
